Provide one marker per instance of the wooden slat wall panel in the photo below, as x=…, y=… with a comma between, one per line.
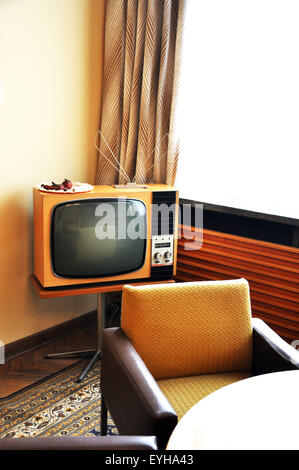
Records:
x=272, y=272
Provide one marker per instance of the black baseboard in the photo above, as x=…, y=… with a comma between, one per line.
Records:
x=23, y=345
x=269, y=228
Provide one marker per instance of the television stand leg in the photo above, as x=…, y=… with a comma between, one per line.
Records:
x=70, y=354
x=95, y=357
x=95, y=354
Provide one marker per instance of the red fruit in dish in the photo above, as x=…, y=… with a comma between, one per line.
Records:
x=57, y=187
x=64, y=186
x=67, y=184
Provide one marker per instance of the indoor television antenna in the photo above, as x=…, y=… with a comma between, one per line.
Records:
x=117, y=165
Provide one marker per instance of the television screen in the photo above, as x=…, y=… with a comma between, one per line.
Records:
x=98, y=237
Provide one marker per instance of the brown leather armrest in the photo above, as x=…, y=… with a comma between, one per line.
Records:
x=80, y=443
x=133, y=397
x=270, y=352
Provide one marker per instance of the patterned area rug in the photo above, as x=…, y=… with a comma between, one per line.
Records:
x=57, y=406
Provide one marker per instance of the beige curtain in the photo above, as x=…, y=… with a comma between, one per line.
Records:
x=137, y=136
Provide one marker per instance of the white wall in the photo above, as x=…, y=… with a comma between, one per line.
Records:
x=50, y=81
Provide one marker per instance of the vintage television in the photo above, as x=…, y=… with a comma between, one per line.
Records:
x=108, y=235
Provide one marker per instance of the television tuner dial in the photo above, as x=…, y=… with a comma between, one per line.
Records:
x=162, y=250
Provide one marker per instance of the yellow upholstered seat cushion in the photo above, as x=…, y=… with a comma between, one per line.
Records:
x=190, y=328
x=185, y=392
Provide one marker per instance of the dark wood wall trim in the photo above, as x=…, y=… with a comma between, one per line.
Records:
x=272, y=271
x=41, y=338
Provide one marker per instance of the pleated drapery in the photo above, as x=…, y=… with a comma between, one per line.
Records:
x=137, y=136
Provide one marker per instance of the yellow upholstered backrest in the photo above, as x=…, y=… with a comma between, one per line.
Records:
x=190, y=328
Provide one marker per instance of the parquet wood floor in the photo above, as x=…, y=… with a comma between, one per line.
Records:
x=30, y=367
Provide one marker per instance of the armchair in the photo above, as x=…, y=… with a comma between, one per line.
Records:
x=178, y=343
x=109, y=443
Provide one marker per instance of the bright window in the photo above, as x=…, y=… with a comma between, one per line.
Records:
x=239, y=105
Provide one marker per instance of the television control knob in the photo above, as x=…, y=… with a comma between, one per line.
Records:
x=168, y=254
x=157, y=256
